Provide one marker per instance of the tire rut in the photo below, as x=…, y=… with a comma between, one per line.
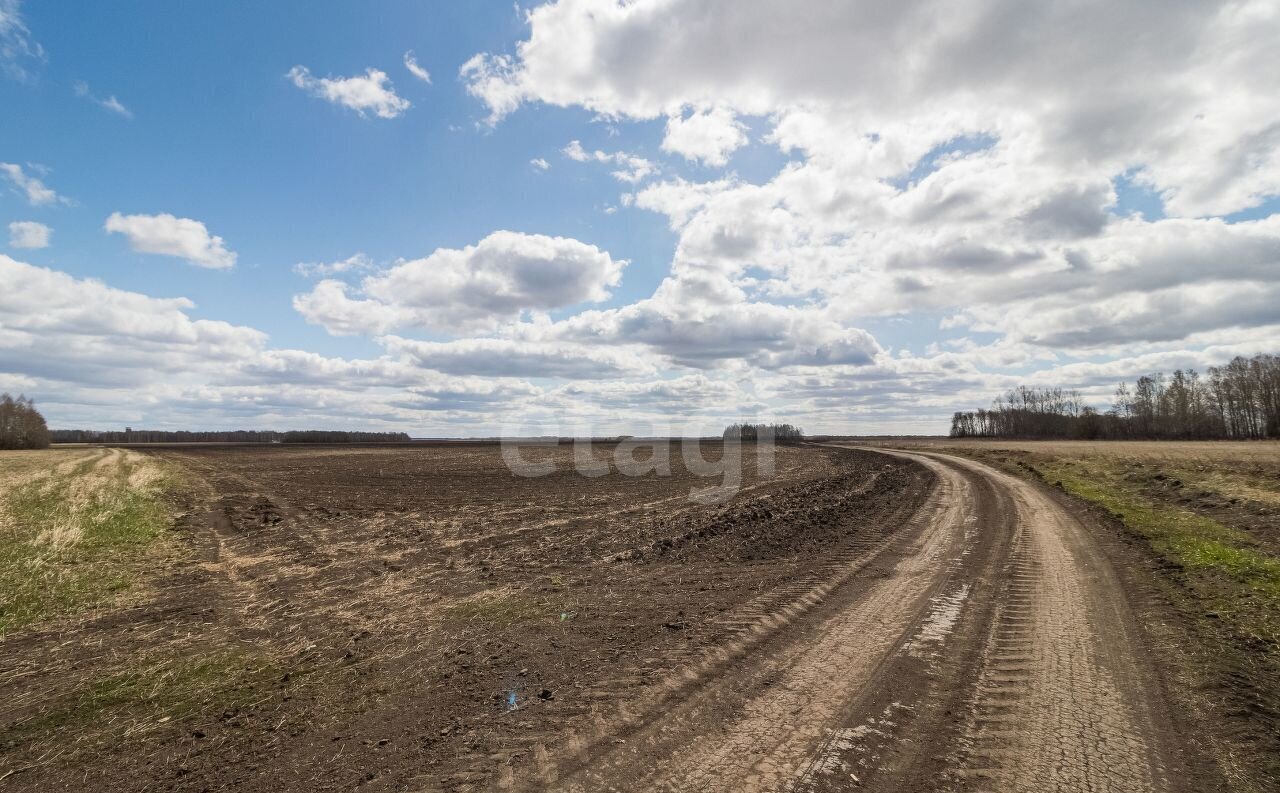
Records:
x=1063, y=702
x=752, y=724
x=988, y=646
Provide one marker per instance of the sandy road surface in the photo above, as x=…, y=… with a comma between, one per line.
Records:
x=985, y=646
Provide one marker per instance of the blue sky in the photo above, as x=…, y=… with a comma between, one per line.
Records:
x=219, y=134
x=812, y=218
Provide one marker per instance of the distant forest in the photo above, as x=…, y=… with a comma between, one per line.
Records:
x=1239, y=401
x=21, y=425
x=753, y=432
x=233, y=436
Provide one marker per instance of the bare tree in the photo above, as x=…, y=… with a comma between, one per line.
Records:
x=1240, y=400
x=21, y=425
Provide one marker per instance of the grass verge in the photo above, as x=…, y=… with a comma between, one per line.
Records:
x=1237, y=581
x=1221, y=578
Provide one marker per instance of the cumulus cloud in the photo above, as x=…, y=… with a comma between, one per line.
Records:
x=708, y=135
x=330, y=305
x=81, y=330
x=29, y=234
x=1109, y=324
x=491, y=78
x=941, y=164
x=167, y=235
x=1198, y=124
x=497, y=279
x=663, y=403
x=704, y=324
x=957, y=169
x=371, y=92
x=411, y=63
x=30, y=187
x=97, y=355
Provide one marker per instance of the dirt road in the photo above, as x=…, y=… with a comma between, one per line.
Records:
x=987, y=646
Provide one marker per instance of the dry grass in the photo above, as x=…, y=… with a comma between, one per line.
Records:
x=1194, y=501
x=1210, y=511
x=74, y=524
x=1240, y=471
x=138, y=699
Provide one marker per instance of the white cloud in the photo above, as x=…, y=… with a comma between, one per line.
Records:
x=356, y=263
x=369, y=93
x=15, y=383
x=34, y=190
x=489, y=77
x=81, y=330
x=1014, y=244
x=167, y=235
x=950, y=175
x=18, y=51
x=328, y=304
x=707, y=135
x=411, y=63
x=114, y=105
x=678, y=199
x=1192, y=108
x=699, y=320
x=657, y=403
x=499, y=278
x=516, y=358
x=29, y=234
x=632, y=169
x=110, y=103
x=98, y=356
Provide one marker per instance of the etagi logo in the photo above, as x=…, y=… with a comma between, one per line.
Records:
x=715, y=464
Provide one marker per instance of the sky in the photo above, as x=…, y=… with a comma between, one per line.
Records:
x=654, y=216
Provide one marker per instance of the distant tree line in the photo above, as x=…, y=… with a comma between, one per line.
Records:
x=754, y=432
x=162, y=436
x=1240, y=400
x=326, y=436
x=230, y=436
x=21, y=425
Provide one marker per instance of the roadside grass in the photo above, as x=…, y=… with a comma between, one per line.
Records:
x=1207, y=515
x=1232, y=575
x=74, y=527
x=1236, y=580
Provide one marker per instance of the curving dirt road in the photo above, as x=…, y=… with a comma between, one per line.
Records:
x=985, y=646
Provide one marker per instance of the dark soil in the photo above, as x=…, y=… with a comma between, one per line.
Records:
x=419, y=618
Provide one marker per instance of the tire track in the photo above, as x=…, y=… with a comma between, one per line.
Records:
x=990, y=647
x=753, y=725
x=1063, y=702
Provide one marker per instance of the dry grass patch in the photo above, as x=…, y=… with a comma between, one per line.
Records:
x=74, y=526
x=1182, y=499
x=156, y=691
